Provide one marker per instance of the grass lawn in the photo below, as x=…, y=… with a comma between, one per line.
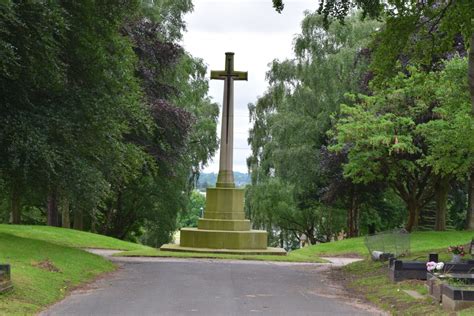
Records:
x=293, y=256
x=46, y=264
x=68, y=237
x=419, y=242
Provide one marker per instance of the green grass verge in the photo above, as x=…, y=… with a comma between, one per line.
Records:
x=46, y=264
x=69, y=237
x=43, y=272
x=291, y=257
x=419, y=242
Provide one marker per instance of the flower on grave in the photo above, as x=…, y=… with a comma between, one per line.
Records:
x=457, y=250
x=430, y=266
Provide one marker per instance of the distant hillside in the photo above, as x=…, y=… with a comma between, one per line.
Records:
x=209, y=179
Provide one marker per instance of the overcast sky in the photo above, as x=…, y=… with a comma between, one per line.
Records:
x=257, y=35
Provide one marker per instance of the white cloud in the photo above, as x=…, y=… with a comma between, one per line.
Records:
x=257, y=35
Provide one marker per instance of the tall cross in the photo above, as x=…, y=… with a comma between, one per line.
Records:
x=226, y=175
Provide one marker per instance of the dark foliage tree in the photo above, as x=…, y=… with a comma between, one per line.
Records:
x=99, y=106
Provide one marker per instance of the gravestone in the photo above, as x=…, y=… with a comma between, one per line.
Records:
x=5, y=277
x=455, y=295
x=223, y=228
x=401, y=270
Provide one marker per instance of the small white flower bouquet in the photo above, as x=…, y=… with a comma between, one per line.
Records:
x=433, y=267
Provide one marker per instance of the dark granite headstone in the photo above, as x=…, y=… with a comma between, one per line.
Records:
x=5, y=277
x=400, y=270
x=433, y=257
x=454, y=297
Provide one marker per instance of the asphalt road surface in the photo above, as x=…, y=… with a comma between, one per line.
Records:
x=210, y=287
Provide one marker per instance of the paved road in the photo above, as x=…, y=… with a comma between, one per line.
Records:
x=210, y=287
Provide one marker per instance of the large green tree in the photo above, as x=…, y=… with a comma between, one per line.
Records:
x=70, y=98
x=100, y=105
x=292, y=118
x=424, y=31
x=409, y=134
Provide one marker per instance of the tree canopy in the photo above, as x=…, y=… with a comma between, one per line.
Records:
x=105, y=117
x=380, y=133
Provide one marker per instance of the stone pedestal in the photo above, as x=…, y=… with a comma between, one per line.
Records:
x=224, y=229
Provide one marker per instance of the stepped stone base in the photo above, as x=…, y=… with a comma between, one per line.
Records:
x=267, y=251
x=225, y=215
x=223, y=228
x=219, y=224
x=223, y=239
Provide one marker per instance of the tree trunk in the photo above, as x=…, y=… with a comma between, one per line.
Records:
x=413, y=214
x=94, y=222
x=350, y=222
x=310, y=237
x=356, y=218
x=470, y=73
x=352, y=215
x=66, y=222
x=53, y=214
x=441, y=198
x=78, y=219
x=15, y=205
x=470, y=204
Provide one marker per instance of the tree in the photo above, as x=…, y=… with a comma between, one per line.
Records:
x=32, y=72
x=369, y=207
x=450, y=153
x=399, y=135
x=437, y=22
x=101, y=105
x=179, y=141
x=189, y=217
x=291, y=120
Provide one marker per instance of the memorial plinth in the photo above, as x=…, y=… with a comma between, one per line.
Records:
x=223, y=228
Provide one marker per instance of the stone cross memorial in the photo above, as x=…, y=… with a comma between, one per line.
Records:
x=225, y=178
x=223, y=228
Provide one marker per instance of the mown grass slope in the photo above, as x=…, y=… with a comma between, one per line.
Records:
x=68, y=237
x=46, y=263
x=419, y=242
